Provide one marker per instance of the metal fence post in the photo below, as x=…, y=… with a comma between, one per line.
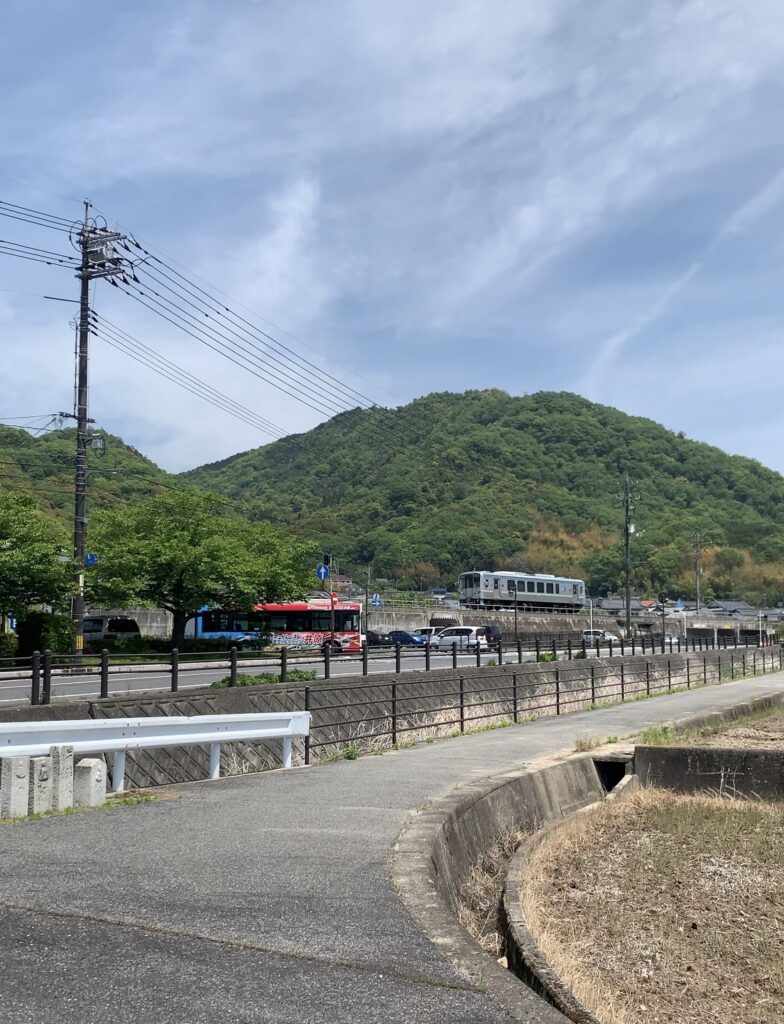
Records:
x=732, y=666
x=462, y=705
x=598, y=649
x=610, y=649
x=538, y=650
x=47, y=667
x=454, y=656
x=719, y=663
x=633, y=651
x=284, y=664
x=514, y=697
x=500, y=653
x=623, y=683
x=754, y=663
x=307, y=738
x=585, y=652
x=688, y=673
x=593, y=684
x=569, y=649
x=427, y=656
x=647, y=679
x=397, y=658
x=175, y=670
x=554, y=650
x=104, y=673
x=327, y=661
x=394, y=711
x=519, y=652
x=705, y=670
x=233, y=666
x=743, y=662
x=557, y=691
x=478, y=655
x=364, y=659
x=35, y=678
x=623, y=648
x=669, y=674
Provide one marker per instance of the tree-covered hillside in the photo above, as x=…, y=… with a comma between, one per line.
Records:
x=487, y=479
x=44, y=468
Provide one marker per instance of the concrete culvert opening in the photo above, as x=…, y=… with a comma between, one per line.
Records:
x=610, y=771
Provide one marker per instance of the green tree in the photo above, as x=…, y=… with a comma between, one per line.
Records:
x=34, y=566
x=181, y=551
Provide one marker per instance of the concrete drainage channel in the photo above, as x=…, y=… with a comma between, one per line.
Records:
x=434, y=855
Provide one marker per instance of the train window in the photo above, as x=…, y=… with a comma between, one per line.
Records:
x=558, y=588
x=549, y=588
x=540, y=588
x=531, y=587
x=510, y=585
x=495, y=584
x=575, y=588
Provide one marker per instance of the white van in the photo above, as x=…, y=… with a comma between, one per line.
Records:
x=109, y=627
x=465, y=638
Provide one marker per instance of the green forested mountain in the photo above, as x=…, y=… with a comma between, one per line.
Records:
x=453, y=482
x=456, y=481
x=44, y=467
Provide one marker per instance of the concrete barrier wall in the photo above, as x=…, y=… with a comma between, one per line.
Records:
x=435, y=854
x=749, y=774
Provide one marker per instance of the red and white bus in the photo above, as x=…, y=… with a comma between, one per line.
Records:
x=312, y=624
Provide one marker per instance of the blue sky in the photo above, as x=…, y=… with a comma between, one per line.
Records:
x=474, y=193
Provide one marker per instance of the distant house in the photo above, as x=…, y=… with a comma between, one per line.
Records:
x=617, y=605
x=732, y=608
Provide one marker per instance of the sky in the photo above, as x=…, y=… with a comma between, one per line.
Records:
x=548, y=195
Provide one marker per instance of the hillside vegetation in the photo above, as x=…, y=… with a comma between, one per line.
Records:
x=457, y=481
x=44, y=467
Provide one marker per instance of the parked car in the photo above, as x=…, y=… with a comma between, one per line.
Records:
x=406, y=639
x=604, y=636
x=463, y=637
x=428, y=632
x=378, y=639
x=669, y=638
x=493, y=634
x=109, y=627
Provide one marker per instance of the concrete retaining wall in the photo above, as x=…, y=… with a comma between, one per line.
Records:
x=434, y=856
x=755, y=774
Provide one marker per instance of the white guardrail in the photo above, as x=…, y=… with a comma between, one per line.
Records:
x=117, y=735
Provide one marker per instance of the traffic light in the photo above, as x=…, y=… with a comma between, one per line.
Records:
x=327, y=560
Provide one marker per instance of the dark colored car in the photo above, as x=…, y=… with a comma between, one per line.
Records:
x=376, y=639
x=406, y=639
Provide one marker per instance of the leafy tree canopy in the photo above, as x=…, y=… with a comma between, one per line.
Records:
x=181, y=551
x=35, y=563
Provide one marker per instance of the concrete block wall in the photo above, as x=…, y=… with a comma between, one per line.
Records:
x=37, y=785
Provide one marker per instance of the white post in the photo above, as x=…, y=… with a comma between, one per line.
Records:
x=215, y=760
x=118, y=772
x=287, y=751
x=590, y=610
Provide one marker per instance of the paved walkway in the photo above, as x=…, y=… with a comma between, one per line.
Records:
x=263, y=897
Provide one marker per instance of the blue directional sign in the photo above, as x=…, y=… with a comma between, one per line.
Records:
x=322, y=572
x=375, y=601
x=90, y=560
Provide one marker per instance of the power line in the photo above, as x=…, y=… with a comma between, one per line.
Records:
x=123, y=342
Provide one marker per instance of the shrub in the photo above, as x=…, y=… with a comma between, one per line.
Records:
x=295, y=676
x=547, y=656
x=45, y=631
x=8, y=644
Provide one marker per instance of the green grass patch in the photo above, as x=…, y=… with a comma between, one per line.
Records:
x=295, y=675
x=67, y=812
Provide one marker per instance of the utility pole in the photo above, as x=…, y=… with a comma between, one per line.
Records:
x=698, y=564
x=628, y=530
x=95, y=243
x=80, y=412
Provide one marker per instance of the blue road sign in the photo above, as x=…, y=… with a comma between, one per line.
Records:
x=90, y=560
x=375, y=601
x=322, y=571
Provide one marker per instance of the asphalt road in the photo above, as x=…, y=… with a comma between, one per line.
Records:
x=123, y=683
x=263, y=898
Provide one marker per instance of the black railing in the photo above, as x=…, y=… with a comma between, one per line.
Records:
x=93, y=675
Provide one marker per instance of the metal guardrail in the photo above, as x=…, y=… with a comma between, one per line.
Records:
x=118, y=735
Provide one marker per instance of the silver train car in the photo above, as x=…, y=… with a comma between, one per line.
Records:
x=529, y=591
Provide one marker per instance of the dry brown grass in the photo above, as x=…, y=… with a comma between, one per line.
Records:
x=479, y=909
x=665, y=908
x=586, y=743
x=761, y=731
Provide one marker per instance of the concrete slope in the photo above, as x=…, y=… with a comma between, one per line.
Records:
x=262, y=897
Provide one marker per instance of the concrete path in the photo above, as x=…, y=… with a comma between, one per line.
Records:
x=262, y=897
